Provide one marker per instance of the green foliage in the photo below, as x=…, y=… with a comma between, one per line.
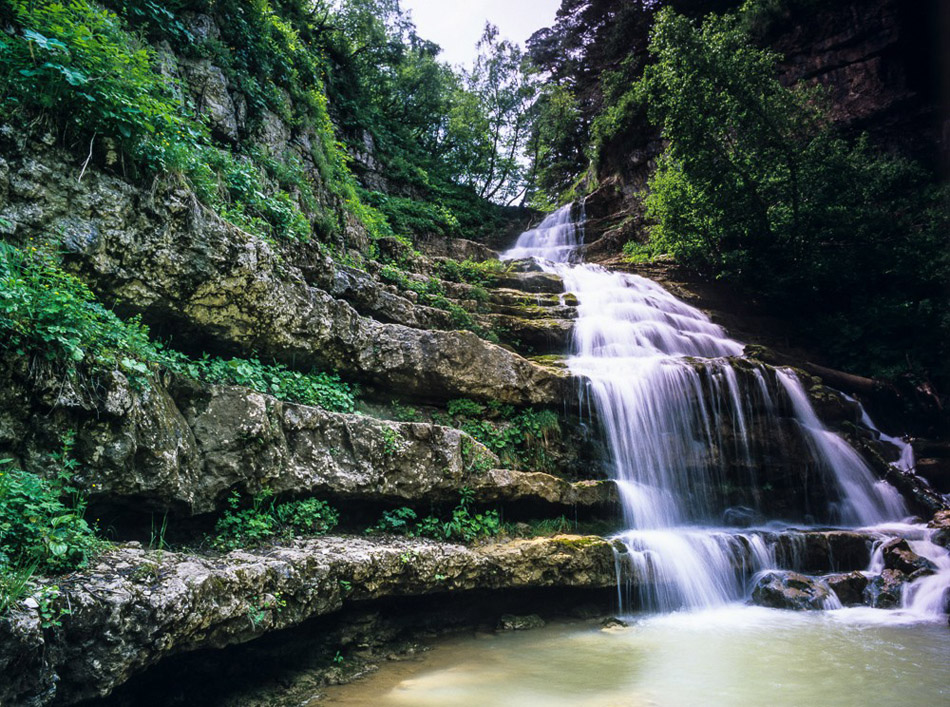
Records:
x=316, y=388
x=391, y=441
x=472, y=272
x=519, y=438
x=637, y=253
x=42, y=530
x=48, y=312
x=404, y=413
x=267, y=521
x=463, y=525
x=410, y=217
x=401, y=521
x=463, y=407
x=755, y=188
x=430, y=292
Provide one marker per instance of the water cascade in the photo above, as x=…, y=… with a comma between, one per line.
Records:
x=697, y=435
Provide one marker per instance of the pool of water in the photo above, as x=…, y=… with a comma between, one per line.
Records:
x=736, y=656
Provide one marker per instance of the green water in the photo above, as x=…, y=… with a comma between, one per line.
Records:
x=735, y=657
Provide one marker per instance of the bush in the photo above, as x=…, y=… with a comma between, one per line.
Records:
x=38, y=528
x=316, y=388
x=520, y=439
x=463, y=525
x=49, y=312
x=266, y=521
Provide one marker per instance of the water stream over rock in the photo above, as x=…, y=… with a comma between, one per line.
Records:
x=696, y=434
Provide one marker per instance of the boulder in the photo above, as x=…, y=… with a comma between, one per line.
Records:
x=790, y=590
x=849, y=587
x=510, y=622
x=885, y=590
x=898, y=556
x=941, y=526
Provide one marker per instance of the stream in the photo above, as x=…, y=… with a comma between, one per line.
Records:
x=733, y=656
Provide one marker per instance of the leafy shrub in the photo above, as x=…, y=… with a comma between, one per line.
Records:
x=316, y=388
x=519, y=438
x=464, y=407
x=431, y=293
x=463, y=525
x=266, y=521
x=755, y=187
x=47, y=311
x=39, y=528
x=472, y=272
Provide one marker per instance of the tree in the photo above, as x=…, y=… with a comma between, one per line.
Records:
x=501, y=84
x=755, y=187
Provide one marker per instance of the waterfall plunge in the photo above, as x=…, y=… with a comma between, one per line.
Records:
x=664, y=387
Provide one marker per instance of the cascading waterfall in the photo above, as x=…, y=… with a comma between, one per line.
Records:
x=666, y=382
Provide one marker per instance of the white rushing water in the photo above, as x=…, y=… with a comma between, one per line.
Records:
x=683, y=420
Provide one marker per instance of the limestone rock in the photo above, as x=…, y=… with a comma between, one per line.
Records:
x=790, y=590
x=941, y=526
x=510, y=622
x=209, y=87
x=849, y=587
x=132, y=607
x=185, y=269
x=885, y=590
x=898, y=556
x=184, y=446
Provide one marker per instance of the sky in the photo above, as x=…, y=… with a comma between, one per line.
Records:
x=456, y=25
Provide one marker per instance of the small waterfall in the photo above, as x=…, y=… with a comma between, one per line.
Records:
x=682, y=418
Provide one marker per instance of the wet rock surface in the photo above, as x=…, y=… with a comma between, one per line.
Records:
x=849, y=588
x=790, y=590
x=899, y=557
x=133, y=607
x=510, y=622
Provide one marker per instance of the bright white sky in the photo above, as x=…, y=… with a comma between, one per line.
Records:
x=456, y=25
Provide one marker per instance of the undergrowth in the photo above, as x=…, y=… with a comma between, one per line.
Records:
x=48, y=312
x=464, y=524
x=266, y=520
x=521, y=438
x=42, y=531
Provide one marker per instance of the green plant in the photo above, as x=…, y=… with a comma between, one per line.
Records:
x=15, y=583
x=48, y=312
x=39, y=528
x=520, y=438
x=391, y=441
x=50, y=610
x=404, y=413
x=316, y=388
x=157, y=536
x=400, y=521
x=757, y=188
x=266, y=520
x=463, y=524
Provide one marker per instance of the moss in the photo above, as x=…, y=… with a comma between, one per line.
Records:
x=578, y=541
x=550, y=360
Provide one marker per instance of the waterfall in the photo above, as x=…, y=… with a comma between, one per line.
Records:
x=688, y=421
